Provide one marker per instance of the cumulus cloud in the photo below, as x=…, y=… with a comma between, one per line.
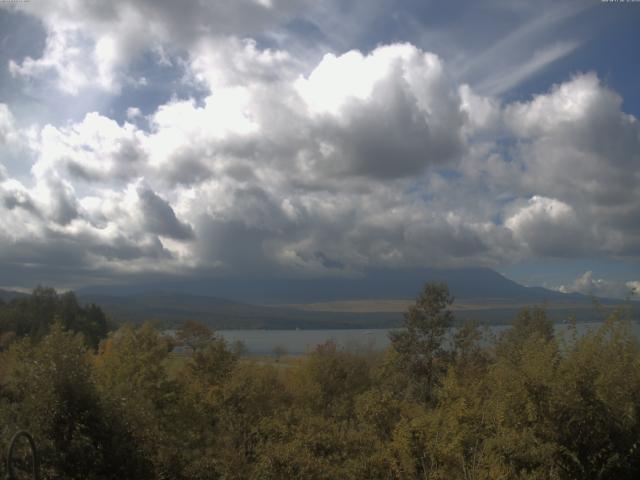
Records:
x=15, y=195
x=548, y=227
x=587, y=284
x=634, y=288
x=577, y=146
x=386, y=115
x=483, y=113
x=68, y=63
x=7, y=124
x=90, y=45
x=133, y=113
x=364, y=159
x=97, y=149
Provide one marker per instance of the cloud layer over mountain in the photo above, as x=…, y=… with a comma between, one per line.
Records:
x=296, y=161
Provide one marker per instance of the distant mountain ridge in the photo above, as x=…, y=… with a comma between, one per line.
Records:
x=464, y=283
x=284, y=303
x=7, y=295
x=480, y=293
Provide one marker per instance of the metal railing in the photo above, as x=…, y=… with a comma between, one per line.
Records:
x=29, y=465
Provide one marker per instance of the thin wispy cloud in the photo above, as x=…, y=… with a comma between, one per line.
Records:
x=516, y=56
x=518, y=73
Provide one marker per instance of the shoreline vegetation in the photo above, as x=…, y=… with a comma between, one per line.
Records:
x=443, y=400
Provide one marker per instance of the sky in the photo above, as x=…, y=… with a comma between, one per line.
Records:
x=148, y=140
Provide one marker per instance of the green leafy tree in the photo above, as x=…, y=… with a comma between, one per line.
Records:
x=33, y=316
x=596, y=412
x=419, y=345
x=51, y=394
x=211, y=363
x=131, y=376
x=530, y=322
x=194, y=335
x=438, y=404
x=251, y=396
x=328, y=381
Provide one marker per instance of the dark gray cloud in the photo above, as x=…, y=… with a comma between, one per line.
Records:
x=159, y=217
x=18, y=199
x=391, y=136
x=186, y=165
x=62, y=204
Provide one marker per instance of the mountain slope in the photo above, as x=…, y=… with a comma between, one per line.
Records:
x=7, y=295
x=464, y=283
x=171, y=309
x=373, y=300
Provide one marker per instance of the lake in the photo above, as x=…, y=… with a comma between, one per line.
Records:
x=299, y=342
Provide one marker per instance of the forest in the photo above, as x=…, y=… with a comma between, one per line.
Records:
x=440, y=403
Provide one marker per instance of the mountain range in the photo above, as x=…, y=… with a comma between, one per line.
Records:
x=374, y=299
x=464, y=283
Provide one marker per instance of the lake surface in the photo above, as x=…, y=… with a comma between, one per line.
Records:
x=299, y=342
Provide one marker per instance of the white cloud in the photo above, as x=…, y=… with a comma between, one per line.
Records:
x=106, y=57
x=497, y=66
x=548, y=227
x=388, y=114
x=566, y=106
x=587, y=284
x=8, y=132
x=133, y=113
x=64, y=59
x=577, y=146
x=483, y=112
x=94, y=150
x=336, y=81
x=373, y=159
x=233, y=62
x=83, y=52
x=634, y=288
x=540, y=59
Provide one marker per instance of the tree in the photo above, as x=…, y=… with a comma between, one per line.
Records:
x=194, y=335
x=419, y=344
x=530, y=322
x=211, y=363
x=133, y=383
x=52, y=395
x=279, y=351
x=328, y=381
x=33, y=316
x=250, y=396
